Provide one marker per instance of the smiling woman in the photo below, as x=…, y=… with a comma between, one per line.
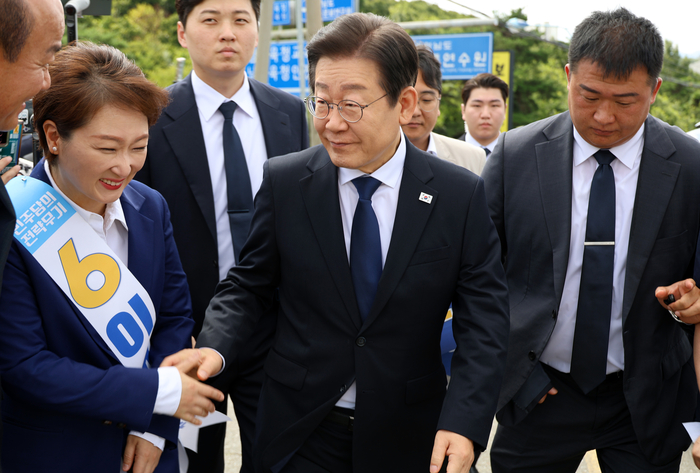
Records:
x=94, y=296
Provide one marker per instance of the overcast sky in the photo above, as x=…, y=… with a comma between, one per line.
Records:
x=681, y=25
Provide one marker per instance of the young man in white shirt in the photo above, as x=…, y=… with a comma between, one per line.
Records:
x=483, y=110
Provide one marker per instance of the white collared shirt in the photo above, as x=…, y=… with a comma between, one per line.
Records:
x=491, y=146
x=557, y=353
x=115, y=232
x=246, y=119
x=384, y=202
x=431, y=145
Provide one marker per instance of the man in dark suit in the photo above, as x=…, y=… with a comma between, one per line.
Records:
x=595, y=208
x=189, y=163
x=354, y=378
x=30, y=36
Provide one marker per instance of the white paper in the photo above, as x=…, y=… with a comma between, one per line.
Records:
x=693, y=429
x=189, y=433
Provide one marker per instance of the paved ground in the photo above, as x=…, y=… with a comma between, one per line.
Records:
x=588, y=465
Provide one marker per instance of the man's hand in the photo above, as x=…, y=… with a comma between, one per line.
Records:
x=686, y=306
x=459, y=450
x=9, y=174
x=140, y=453
x=696, y=453
x=551, y=392
x=197, y=362
x=195, y=398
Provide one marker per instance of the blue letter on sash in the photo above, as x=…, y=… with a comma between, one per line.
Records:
x=141, y=310
x=126, y=320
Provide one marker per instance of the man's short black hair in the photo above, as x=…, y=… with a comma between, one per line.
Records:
x=429, y=67
x=185, y=7
x=17, y=25
x=368, y=36
x=484, y=81
x=618, y=42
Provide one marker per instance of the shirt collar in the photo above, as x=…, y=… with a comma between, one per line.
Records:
x=209, y=100
x=626, y=153
x=388, y=174
x=470, y=139
x=114, y=212
x=431, y=145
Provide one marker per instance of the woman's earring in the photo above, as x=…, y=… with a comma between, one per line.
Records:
x=54, y=149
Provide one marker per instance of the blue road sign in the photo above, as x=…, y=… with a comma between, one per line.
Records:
x=282, y=12
x=461, y=56
x=283, y=71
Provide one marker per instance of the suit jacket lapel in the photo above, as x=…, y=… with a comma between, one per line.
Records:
x=657, y=179
x=320, y=193
x=275, y=124
x=411, y=217
x=185, y=137
x=554, y=169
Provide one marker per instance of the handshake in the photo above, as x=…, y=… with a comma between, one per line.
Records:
x=195, y=365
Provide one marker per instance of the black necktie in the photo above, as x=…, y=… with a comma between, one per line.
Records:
x=590, y=349
x=365, y=246
x=488, y=151
x=240, y=195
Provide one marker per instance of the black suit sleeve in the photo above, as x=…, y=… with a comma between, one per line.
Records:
x=493, y=182
x=480, y=325
x=247, y=291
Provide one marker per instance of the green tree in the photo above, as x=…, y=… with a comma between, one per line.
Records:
x=678, y=100
x=145, y=30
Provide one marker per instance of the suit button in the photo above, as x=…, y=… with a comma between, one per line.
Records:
x=532, y=355
x=121, y=425
x=554, y=314
x=361, y=341
x=106, y=422
x=343, y=388
x=215, y=263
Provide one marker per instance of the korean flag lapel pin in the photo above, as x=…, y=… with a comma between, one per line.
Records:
x=427, y=198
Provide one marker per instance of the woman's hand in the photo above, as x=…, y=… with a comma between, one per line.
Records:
x=141, y=454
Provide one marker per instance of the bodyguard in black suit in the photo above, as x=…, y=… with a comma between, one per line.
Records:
x=625, y=386
x=189, y=164
x=354, y=381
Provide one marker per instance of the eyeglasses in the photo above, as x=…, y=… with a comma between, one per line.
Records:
x=350, y=110
x=428, y=102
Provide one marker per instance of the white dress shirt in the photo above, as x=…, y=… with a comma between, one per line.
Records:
x=431, y=145
x=491, y=146
x=246, y=119
x=557, y=353
x=115, y=232
x=384, y=203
